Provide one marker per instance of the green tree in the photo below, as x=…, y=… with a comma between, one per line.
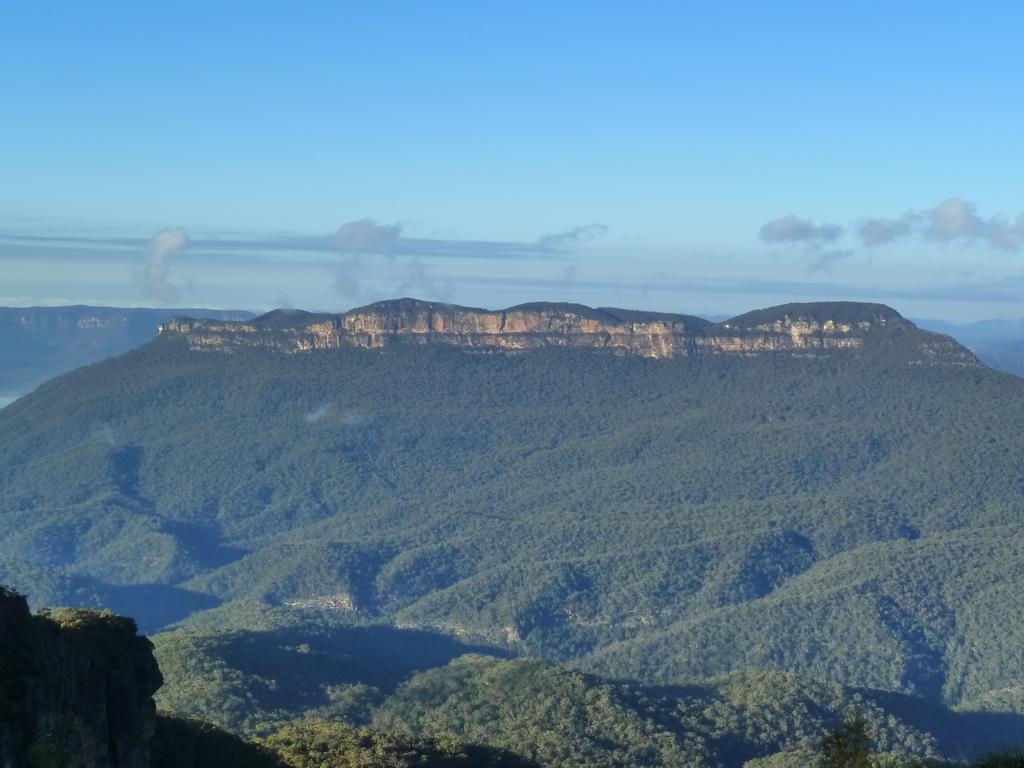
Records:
x=849, y=745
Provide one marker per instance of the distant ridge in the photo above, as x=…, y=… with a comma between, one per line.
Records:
x=38, y=343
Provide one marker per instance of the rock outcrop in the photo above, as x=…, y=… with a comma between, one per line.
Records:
x=76, y=688
x=800, y=329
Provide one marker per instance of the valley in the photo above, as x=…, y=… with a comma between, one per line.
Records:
x=822, y=492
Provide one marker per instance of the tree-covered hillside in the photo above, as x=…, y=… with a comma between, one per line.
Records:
x=851, y=515
x=258, y=683
x=564, y=718
x=76, y=689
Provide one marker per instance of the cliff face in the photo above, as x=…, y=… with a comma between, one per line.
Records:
x=801, y=329
x=76, y=689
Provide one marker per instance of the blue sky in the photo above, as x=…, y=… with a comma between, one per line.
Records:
x=699, y=157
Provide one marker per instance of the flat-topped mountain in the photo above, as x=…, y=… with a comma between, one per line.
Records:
x=817, y=328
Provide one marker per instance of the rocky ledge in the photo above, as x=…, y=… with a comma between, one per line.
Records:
x=800, y=329
x=76, y=688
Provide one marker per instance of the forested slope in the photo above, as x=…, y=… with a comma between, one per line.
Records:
x=845, y=512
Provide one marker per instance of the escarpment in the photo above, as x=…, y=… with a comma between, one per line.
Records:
x=76, y=688
x=798, y=329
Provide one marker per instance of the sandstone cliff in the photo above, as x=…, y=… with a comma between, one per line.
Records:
x=76, y=689
x=798, y=329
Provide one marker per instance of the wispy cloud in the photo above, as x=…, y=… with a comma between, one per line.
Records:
x=353, y=241
x=791, y=229
x=363, y=237
x=154, y=279
x=366, y=237
x=822, y=260
x=875, y=232
x=811, y=239
x=953, y=220
x=347, y=417
x=348, y=277
x=420, y=282
x=107, y=435
x=318, y=414
x=557, y=241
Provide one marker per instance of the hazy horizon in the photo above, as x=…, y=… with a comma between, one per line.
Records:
x=701, y=159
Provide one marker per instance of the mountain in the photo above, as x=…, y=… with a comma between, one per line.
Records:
x=38, y=343
x=997, y=343
x=821, y=489
x=1005, y=356
x=804, y=329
